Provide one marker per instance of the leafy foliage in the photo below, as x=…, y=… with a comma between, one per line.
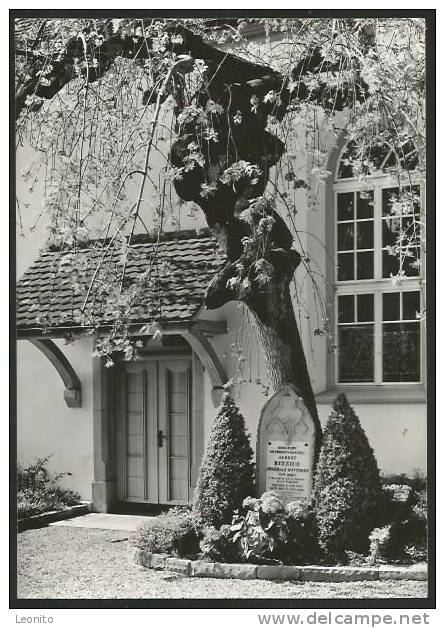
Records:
x=262, y=528
x=270, y=531
x=397, y=503
x=218, y=546
x=226, y=475
x=38, y=490
x=347, y=490
x=404, y=537
x=173, y=532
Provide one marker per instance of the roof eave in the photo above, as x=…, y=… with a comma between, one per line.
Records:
x=168, y=327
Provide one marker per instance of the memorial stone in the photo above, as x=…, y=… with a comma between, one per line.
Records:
x=285, y=446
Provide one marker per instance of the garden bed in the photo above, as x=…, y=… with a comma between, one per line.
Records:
x=41, y=499
x=310, y=573
x=44, y=518
x=354, y=526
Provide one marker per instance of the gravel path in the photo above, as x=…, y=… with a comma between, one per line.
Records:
x=57, y=562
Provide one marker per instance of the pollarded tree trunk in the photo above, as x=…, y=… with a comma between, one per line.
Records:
x=280, y=337
x=260, y=277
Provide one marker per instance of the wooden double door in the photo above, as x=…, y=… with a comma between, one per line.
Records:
x=153, y=412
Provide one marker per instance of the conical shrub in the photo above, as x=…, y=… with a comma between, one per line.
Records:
x=347, y=488
x=226, y=476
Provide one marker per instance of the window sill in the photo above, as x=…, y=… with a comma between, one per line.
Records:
x=406, y=393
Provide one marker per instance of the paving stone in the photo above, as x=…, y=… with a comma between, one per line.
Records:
x=158, y=561
x=227, y=570
x=170, y=576
x=338, y=574
x=403, y=573
x=107, y=521
x=202, y=569
x=180, y=565
x=278, y=572
x=143, y=558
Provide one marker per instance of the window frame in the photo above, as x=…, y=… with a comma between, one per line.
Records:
x=366, y=391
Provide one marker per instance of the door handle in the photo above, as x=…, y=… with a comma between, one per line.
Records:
x=161, y=437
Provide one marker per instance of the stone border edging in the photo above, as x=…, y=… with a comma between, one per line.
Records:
x=313, y=573
x=38, y=521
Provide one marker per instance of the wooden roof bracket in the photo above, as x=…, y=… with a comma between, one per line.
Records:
x=73, y=388
x=196, y=335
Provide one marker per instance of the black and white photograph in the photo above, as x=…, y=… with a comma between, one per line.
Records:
x=222, y=309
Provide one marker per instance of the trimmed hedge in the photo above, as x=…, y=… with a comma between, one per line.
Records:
x=347, y=489
x=226, y=476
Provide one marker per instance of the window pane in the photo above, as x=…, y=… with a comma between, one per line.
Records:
x=394, y=236
x=387, y=195
x=365, y=235
x=415, y=189
x=400, y=231
x=391, y=306
x=411, y=305
x=390, y=264
x=365, y=307
x=390, y=162
x=356, y=354
x=411, y=261
x=365, y=205
x=411, y=228
x=365, y=265
x=346, y=309
x=345, y=236
x=401, y=352
x=345, y=266
x=390, y=231
x=407, y=199
x=345, y=171
x=378, y=154
x=345, y=206
x=408, y=156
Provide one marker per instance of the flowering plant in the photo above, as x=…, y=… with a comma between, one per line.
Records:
x=271, y=531
x=261, y=528
x=379, y=539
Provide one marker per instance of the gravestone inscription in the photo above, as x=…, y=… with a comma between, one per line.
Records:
x=285, y=446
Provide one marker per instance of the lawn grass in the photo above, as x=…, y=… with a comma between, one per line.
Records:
x=61, y=562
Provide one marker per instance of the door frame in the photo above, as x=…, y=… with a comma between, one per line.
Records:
x=155, y=486
x=207, y=375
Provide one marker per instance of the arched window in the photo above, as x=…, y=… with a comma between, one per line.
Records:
x=379, y=265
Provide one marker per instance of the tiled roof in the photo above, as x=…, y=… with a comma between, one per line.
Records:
x=53, y=290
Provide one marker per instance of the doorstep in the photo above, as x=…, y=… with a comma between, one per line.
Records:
x=106, y=521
